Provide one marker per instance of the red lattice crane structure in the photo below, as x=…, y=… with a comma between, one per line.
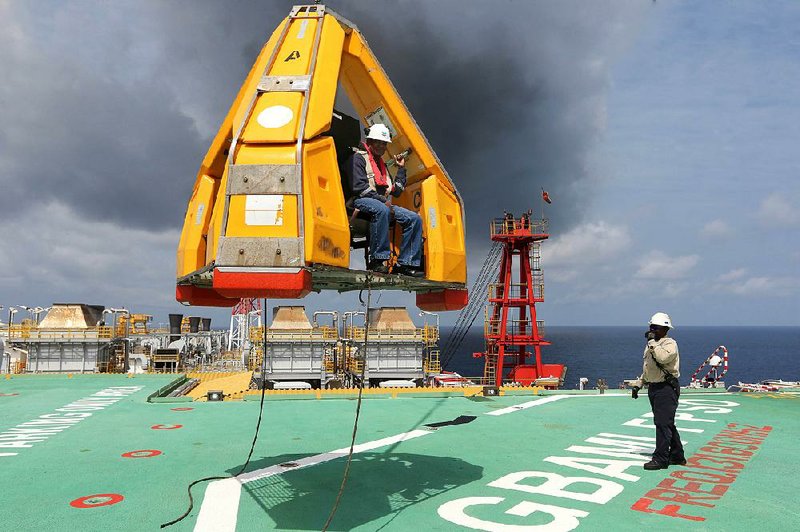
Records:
x=245, y=315
x=511, y=325
x=246, y=305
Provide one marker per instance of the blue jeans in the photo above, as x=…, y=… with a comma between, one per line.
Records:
x=411, y=248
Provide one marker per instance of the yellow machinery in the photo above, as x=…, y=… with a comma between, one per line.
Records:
x=133, y=324
x=267, y=216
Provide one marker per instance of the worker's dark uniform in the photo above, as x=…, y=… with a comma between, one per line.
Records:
x=371, y=199
x=663, y=394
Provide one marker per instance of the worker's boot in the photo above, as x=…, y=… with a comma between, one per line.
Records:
x=378, y=266
x=652, y=465
x=410, y=271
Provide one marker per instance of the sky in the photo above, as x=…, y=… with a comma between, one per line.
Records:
x=665, y=132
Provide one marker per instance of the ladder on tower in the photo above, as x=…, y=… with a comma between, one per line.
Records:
x=536, y=271
x=490, y=368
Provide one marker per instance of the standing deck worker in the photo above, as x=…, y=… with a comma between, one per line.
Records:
x=660, y=372
x=372, y=186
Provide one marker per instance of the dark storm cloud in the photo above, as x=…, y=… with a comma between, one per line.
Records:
x=111, y=146
x=110, y=155
x=508, y=93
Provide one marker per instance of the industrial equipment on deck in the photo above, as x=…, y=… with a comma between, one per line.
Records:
x=396, y=350
x=167, y=359
x=71, y=338
x=511, y=325
x=80, y=338
x=245, y=315
x=267, y=216
x=299, y=352
x=295, y=350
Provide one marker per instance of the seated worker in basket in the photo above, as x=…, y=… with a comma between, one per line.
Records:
x=372, y=186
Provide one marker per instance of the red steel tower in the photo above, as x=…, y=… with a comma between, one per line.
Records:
x=511, y=325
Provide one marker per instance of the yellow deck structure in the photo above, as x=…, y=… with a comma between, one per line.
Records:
x=267, y=215
x=233, y=385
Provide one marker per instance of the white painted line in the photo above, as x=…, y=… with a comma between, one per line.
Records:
x=220, y=507
x=332, y=455
x=684, y=391
x=529, y=404
x=602, y=396
x=221, y=515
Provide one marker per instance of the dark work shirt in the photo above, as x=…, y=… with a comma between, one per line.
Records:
x=359, y=183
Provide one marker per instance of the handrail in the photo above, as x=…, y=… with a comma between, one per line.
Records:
x=497, y=290
x=707, y=379
x=511, y=226
x=317, y=333
x=494, y=327
x=417, y=334
x=26, y=332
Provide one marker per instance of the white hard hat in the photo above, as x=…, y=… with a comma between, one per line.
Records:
x=662, y=319
x=379, y=132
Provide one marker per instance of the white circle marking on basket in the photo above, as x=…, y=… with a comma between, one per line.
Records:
x=275, y=116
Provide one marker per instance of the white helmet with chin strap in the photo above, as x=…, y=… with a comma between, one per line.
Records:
x=379, y=132
x=661, y=319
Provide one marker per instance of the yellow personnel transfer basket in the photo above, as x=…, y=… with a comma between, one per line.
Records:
x=267, y=216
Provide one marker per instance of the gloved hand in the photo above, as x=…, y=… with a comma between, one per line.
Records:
x=650, y=335
x=635, y=392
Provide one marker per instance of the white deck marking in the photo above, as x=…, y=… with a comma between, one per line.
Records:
x=332, y=455
x=220, y=507
x=220, y=516
x=529, y=404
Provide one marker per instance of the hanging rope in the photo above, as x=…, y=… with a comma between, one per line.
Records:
x=358, y=407
x=255, y=436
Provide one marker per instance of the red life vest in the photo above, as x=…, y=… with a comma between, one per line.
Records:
x=378, y=167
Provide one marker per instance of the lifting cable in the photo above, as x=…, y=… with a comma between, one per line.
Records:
x=469, y=313
x=467, y=316
x=358, y=406
x=255, y=436
x=484, y=277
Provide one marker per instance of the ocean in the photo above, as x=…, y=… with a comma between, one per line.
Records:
x=615, y=353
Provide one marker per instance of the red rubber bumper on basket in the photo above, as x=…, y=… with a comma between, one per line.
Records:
x=447, y=299
x=202, y=297
x=242, y=284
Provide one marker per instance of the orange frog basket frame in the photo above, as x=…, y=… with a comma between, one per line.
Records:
x=267, y=216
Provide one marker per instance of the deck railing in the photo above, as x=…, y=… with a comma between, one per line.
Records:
x=515, y=328
x=511, y=226
x=26, y=332
x=315, y=334
x=414, y=335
